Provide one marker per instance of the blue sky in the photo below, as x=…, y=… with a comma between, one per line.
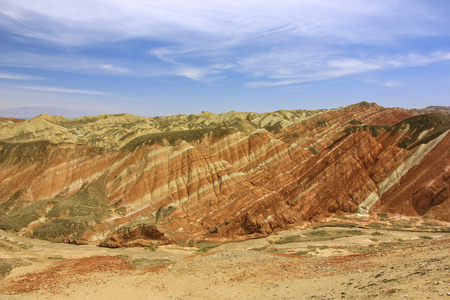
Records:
x=169, y=57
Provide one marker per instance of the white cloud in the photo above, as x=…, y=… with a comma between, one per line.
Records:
x=114, y=69
x=272, y=42
x=18, y=77
x=62, y=90
x=331, y=68
x=393, y=83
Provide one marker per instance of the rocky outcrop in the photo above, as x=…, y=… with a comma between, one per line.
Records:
x=122, y=180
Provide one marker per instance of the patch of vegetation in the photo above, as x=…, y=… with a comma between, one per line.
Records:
x=204, y=247
x=354, y=232
x=374, y=239
x=275, y=128
x=374, y=130
x=426, y=237
x=173, y=137
x=9, y=205
x=402, y=224
x=376, y=233
x=17, y=153
x=62, y=230
x=343, y=217
x=388, y=245
x=6, y=247
x=143, y=263
x=382, y=215
x=122, y=211
x=313, y=150
x=72, y=217
x=431, y=224
x=318, y=235
x=23, y=217
x=321, y=123
x=292, y=135
x=163, y=212
x=361, y=249
x=56, y=257
x=6, y=265
x=376, y=225
x=153, y=247
x=87, y=202
x=355, y=122
x=260, y=248
x=436, y=123
x=302, y=252
x=337, y=224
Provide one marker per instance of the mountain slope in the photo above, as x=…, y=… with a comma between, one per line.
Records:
x=122, y=180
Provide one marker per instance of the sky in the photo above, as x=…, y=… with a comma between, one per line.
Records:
x=155, y=58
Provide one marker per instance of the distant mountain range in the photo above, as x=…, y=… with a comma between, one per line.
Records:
x=31, y=112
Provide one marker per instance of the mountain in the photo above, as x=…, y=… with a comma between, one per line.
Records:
x=31, y=112
x=122, y=180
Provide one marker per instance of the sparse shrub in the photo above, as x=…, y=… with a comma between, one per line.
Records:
x=152, y=247
x=206, y=246
x=376, y=233
x=374, y=239
x=57, y=257
x=318, y=233
x=355, y=232
x=376, y=225
x=321, y=123
x=355, y=122
x=426, y=237
x=430, y=224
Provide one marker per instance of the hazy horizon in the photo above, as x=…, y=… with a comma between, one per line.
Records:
x=154, y=58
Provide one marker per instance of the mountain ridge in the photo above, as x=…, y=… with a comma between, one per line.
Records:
x=122, y=180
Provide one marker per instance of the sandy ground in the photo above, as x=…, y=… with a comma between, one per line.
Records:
x=365, y=264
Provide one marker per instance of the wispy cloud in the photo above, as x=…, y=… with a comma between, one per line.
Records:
x=112, y=68
x=18, y=77
x=387, y=83
x=331, y=68
x=272, y=43
x=62, y=90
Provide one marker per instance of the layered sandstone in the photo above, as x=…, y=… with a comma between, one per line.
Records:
x=123, y=180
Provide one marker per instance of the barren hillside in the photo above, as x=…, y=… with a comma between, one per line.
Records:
x=123, y=180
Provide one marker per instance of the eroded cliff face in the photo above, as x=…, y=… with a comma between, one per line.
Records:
x=122, y=180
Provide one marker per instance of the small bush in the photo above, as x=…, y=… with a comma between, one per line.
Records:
x=318, y=233
x=152, y=247
x=355, y=232
x=376, y=233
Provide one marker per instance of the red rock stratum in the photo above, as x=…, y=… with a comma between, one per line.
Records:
x=123, y=180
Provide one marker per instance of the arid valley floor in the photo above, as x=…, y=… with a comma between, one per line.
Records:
x=347, y=257
x=346, y=203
